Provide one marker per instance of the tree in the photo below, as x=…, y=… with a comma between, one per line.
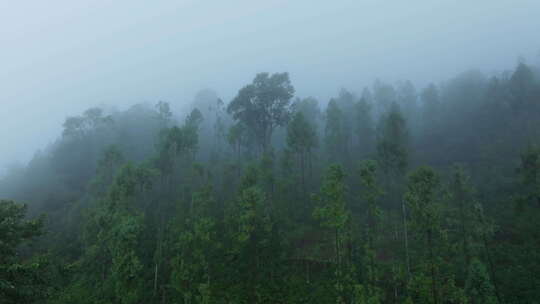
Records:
x=529, y=172
x=393, y=158
x=107, y=168
x=19, y=282
x=194, y=119
x=237, y=137
x=406, y=98
x=333, y=215
x=479, y=287
x=431, y=109
x=253, y=246
x=263, y=105
x=364, y=126
x=334, y=133
x=164, y=113
x=384, y=95
x=522, y=85
x=309, y=107
x=462, y=196
x=346, y=101
x=195, y=246
x=79, y=126
x=178, y=141
x=392, y=142
x=111, y=263
x=301, y=139
x=371, y=193
x=421, y=197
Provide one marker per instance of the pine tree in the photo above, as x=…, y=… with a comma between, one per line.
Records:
x=334, y=216
x=195, y=246
x=364, y=126
x=422, y=198
x=20, y=281
x=301, y=139
x=334, y=133
x=478, y=286
x=370, y=291
x=462, y=196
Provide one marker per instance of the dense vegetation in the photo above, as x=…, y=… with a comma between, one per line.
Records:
x=390, y=196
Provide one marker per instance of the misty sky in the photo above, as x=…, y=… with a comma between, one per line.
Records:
x=58, y=58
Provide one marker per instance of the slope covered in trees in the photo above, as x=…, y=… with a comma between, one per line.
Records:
x=396, y=195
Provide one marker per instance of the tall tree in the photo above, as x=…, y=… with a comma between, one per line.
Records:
x=334, y=133
x=364, y=126
x=393, y=158
x=333, y=215
x=422, y=199
x=309, y=107
x=406, y=98
x=164, y=113
x=301, y=139
x=20, y=282
x=195, y=247
x=522, y=85
x=462, y=192
x=384, y=95
x=263, y=105
x=392, y=142
x=431, y=111
x=112, y=262
x=371, y=193
x=479, y=287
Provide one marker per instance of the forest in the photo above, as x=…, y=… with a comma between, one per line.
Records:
x=388, y=194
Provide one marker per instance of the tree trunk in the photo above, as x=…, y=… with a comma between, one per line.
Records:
x=465, y=240
x=405, y=234
x=155, y=279
x=337, y=248
x=310, y=166
x=434, y=290
x=302, y=168
x=491, y=267
x=394, y=268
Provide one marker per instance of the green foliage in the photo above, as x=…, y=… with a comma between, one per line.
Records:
x=301, y=139
x=263, y=105
x=112, y=262
x=195, y=247
x=301, y=136
x=529, y=172
x=478, y=286
x=331, y=210
x=14, y=229
x=332, y=213
x=132, y=218
x=422, y=197
x=79, y=126
x=364, y=125
x=164, y=112
x=20, y=281
x=392, y=142
x=370, y=292
x=334, y=133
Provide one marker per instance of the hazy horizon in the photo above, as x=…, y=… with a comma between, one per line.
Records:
x=61, y=59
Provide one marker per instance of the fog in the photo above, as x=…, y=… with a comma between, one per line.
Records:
x=58, y=58
x=269, y=151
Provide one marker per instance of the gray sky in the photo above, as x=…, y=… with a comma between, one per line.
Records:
x=60, y=57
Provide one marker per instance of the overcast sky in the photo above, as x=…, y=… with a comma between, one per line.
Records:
x=58, y=58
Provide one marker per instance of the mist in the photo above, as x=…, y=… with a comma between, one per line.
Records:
x=60, y=58
x=269, y=152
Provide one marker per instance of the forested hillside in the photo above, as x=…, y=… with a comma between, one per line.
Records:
x=392, y=194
